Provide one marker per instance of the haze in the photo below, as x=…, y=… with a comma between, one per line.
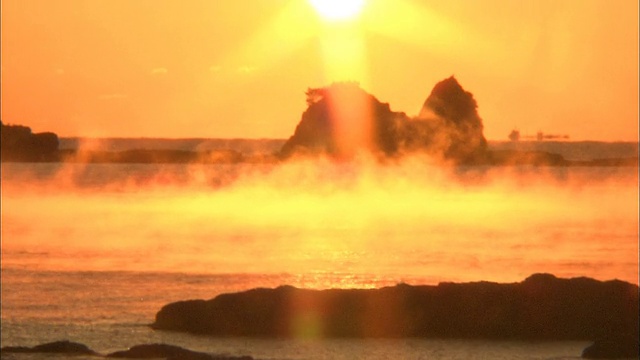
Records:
x=159, y=68
x=399, y=221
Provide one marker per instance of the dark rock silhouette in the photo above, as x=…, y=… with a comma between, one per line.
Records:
x=144, y=351
x=169, y=352
x=342, y=120
x=540, y=307
x=56, y=347
x=621, y=347
x=18, y=143
x=451, y=113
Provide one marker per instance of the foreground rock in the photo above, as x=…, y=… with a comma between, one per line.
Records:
x=622, y=347
x=168, y=352
x=145, y=351
x=56, y=347
x=541, y=307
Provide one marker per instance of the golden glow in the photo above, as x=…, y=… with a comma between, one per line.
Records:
x=335, y=10
x=330, y=218
x=290, y=25
x=345, y=60
x=351, y=113
x=441, y=38
x=182, y=70
x=344, y=54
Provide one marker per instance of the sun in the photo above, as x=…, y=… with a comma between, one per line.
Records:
x=338, y=10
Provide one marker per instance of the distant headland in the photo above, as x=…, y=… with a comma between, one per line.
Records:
x=341, y=122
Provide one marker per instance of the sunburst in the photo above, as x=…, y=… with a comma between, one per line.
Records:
x=337, y=10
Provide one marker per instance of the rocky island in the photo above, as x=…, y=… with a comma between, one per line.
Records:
x=341, y=122
x=542, y=307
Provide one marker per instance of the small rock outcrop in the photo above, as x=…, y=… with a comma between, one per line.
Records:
x=456, y=129
x=144, y=351
x=168, y=352
x=621, y=347
x=18, y=143
x=56, y=347
x=342, y=120
x=542, y=307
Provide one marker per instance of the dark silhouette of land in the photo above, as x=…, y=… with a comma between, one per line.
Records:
x=340, y=122
x=169, y=352
x=20, y=144
x=144, y=351
x=605, y=349
x=542, y=307
x=622, y=347
x=56, y=347
x=448, y=126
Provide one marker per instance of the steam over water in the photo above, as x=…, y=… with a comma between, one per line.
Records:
x=91, y=252
x=401, y=221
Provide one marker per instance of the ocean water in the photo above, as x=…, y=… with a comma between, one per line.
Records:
x=108, y=311
x=90, y=252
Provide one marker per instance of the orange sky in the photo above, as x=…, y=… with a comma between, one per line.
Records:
x=229, y=68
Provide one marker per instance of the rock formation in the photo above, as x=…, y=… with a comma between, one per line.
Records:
x=56, y=347
x=168, y=352
x=342, y=120
x=621, y=347
x=451, y=114
x=541, y=307
x=20, y=144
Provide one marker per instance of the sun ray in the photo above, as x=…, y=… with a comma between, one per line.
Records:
x=344, y=52
x=285, y=34
x=343, y=47
x=414, y=23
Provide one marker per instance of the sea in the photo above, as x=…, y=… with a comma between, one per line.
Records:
x=91, y=252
